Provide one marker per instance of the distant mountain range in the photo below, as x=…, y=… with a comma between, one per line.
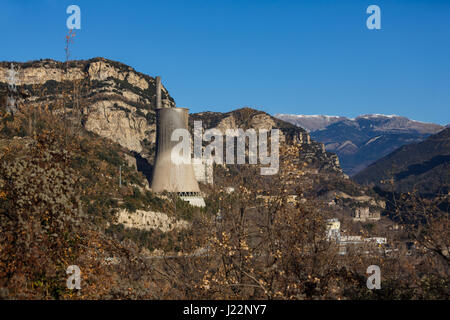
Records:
x=361, y=141
x=423, y=166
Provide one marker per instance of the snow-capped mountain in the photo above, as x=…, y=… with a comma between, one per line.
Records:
x=360, y=141
x=310, y=122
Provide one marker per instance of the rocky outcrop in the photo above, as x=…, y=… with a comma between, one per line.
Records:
x=96, y=69
x=118, y=102
x=150, y=220
x=115, y=120
x=41, y=72
x=312, y=152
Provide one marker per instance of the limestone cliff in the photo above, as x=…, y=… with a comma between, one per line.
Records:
x=312, y=152
x=118, y=102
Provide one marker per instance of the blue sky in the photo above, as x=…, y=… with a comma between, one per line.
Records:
x=305, y=57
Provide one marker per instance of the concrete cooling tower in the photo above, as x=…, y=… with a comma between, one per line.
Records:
x=167, y=175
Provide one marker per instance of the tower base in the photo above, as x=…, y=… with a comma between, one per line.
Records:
x=194, y=198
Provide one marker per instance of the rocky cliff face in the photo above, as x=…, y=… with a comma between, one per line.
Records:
x=150, y=220
x=312, y=152
x=118, y=102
